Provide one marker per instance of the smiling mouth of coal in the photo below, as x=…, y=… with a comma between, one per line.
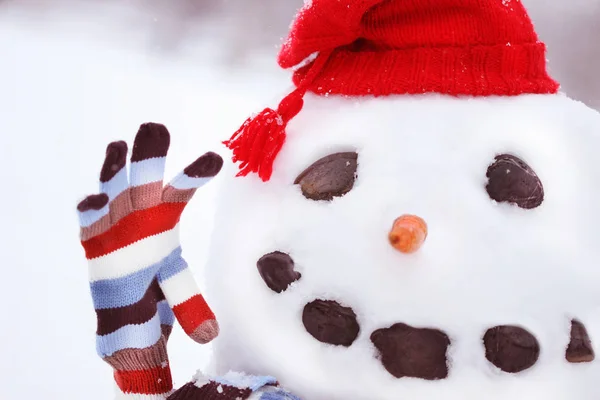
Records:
x=415, y=352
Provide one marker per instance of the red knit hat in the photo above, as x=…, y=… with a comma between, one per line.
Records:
x=386, y=47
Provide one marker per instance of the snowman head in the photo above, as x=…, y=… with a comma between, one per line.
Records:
x=403, y=220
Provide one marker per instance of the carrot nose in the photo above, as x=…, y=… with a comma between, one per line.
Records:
x=408, y=233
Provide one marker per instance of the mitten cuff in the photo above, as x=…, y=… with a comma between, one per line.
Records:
x=152, y=381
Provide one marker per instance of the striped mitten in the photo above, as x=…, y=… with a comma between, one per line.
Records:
x=139, y=281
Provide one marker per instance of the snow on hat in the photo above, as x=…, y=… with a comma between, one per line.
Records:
x=388, y=47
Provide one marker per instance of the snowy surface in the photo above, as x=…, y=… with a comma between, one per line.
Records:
x=484, y=264
x=74, y=78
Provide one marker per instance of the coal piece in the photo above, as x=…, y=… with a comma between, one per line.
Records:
x=412, y=352
x=511, y=348
x=580, y=348
x=277, y=270
x=511, y=180
x=329, y=322
x=330, y=177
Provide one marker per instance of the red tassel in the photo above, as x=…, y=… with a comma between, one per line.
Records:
x=258, y=141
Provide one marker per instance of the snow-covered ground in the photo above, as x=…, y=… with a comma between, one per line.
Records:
x=72, y=80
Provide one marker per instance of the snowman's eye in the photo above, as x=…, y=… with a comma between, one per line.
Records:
x=329, y=177
x=511, y=180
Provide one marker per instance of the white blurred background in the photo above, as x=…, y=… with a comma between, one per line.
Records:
x=75, y=75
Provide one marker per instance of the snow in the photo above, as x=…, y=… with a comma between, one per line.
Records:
x=74, y=78
x=484, y=264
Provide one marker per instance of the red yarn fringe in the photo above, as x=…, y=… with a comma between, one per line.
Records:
x=258, y=141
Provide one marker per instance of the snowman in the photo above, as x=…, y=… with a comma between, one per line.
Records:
x=415, y=220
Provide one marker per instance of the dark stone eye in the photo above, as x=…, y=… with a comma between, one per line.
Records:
x=412, y=352
x=277, y=270
x=329, y=177
x=511, y=348
x=511, y=180
x=329, y=322
x=580, y=348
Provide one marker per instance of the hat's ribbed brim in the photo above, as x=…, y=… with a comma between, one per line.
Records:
x=503, y=70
